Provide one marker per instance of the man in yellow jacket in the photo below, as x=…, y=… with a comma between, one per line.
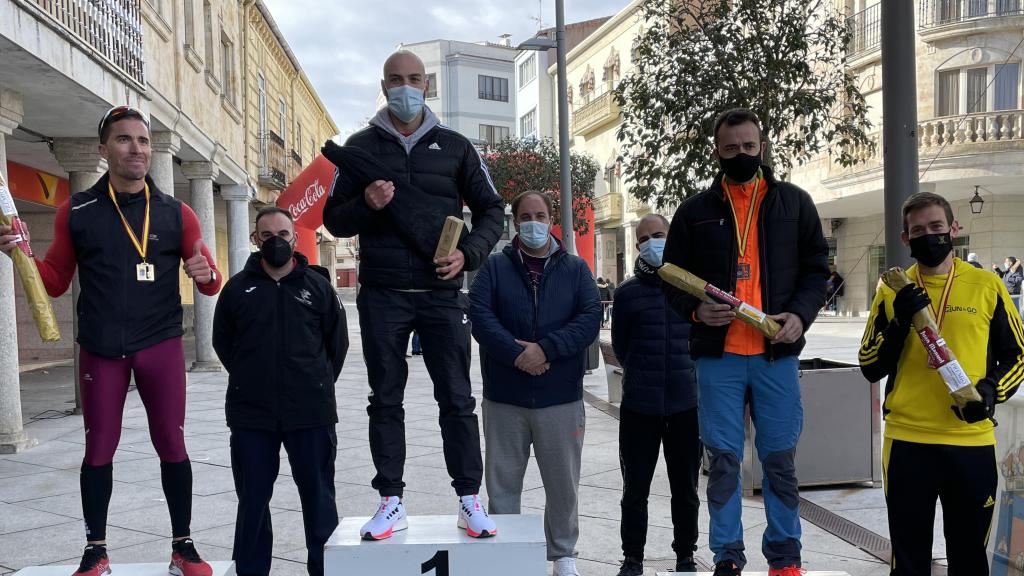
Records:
x=933, y=449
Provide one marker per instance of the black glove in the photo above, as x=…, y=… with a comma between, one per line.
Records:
x=909, y=300
x=980, y=409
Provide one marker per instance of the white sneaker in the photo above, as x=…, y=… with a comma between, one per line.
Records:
x=474, y=519
x=390, y=517
x=566, y=567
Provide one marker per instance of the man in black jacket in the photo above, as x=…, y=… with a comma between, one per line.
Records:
x=760, y=239
x=659, y=404
x=280, y=332
x=403, y=290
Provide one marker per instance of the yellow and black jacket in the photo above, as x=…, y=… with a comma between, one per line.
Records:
x=981, y=327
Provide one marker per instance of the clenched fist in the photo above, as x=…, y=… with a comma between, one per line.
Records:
x=198, y=267
x=379, y=194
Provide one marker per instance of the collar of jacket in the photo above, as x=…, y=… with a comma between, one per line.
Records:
x=102, y=186
x=383, y=121
x=255, y=266
x=645, y=272
x=766, y=172
x=556, y=247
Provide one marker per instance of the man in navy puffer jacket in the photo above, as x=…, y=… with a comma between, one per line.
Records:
x=535, y=310
x=659, y=403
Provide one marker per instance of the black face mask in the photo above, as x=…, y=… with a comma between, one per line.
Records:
x=741, y=167
x=276, y=251
x=931, y=249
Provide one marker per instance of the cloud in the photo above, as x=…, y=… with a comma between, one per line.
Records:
x=341, y=45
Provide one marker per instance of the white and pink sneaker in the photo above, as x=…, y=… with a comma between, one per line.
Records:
x=390, y=518
x=474, y=519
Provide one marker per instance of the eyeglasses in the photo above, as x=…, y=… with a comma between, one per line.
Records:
x=118, y=113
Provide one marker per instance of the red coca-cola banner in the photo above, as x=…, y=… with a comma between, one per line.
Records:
x=306, y=195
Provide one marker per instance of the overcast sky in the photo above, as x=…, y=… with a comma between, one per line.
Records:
x=341, y=44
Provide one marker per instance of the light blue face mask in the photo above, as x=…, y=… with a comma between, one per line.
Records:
x=534, y=235
x=405, y=102
x=653, y=251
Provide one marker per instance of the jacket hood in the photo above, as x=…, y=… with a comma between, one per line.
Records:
x=383, y=121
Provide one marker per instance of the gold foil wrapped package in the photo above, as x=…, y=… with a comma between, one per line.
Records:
x=35, y=293
x=691, y=284
x=940, y=357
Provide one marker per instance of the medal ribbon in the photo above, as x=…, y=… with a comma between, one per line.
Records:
x=940, y=314
x=140, y=247
x=742, y=237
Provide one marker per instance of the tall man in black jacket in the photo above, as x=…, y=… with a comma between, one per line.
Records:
x=760, y=239
x=280, y=332
x=403, y=290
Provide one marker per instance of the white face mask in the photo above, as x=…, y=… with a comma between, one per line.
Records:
x=652, y=251
x=405, y=102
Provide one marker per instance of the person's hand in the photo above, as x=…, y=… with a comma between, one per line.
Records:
x=792, y=328
x=379, y=194
x=979, y=409
x=714, y=314
x=8, y=240
x=996, y=267
x=539, y=370
x=532, y=358
x=198, y=267
x=450, y=266
x=909, y=301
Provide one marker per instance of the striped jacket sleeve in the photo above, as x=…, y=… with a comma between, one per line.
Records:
x=1006, y=348
x=882, y=343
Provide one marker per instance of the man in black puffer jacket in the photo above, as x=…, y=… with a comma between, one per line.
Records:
x=760, y=239
x=659, y=404
x=435, y=171
x=280, y=332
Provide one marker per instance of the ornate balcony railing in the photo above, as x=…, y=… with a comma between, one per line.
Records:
x=608, y=207
x=600, y=110
x=111, y=28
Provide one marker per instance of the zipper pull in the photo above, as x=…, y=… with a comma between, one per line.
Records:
x=721, y=221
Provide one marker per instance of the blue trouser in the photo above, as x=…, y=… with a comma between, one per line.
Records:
x=774, y=389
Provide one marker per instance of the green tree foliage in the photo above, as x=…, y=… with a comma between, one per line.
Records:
x=517, y=165
x=783, y=59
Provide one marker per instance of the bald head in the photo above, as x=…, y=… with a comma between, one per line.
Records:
x=401, y=66
x=651, y=226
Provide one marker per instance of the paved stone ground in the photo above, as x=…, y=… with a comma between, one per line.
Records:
x=40, y=510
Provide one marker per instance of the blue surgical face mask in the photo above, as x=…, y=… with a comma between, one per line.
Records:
x=534, y=235
x=405, y=102
x=653, y=251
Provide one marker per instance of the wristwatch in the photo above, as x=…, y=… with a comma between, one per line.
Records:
x=213, y=276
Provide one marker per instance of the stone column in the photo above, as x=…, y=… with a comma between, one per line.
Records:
x=161, y=169
x=200, y=177
x=12, y=431
x=82, y=161
x=237, y=198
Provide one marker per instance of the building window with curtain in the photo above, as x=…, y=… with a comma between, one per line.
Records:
x=493, y=134
x=977, y=82
x=1006, y=88
x=493, y=88
x=947, y=96
x=528, y=70
x=528, y=124
x=431, y=85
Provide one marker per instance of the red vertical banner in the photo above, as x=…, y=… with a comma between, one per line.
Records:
x=584, y=242
x=305, y=242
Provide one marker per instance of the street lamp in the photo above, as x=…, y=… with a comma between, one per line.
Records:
x=541, y=43
x=976, y=202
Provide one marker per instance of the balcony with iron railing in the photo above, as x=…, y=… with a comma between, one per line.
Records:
x=110, y=29
x=273, y=161
x=865, y=33
x=595, y=112
x=608, y=208
x=941, y=18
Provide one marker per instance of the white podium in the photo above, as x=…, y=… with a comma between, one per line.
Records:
x=750, y=574
x=155, y=569
x=434, y=545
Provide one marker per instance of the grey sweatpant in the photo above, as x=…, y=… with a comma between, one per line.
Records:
x=556, y=433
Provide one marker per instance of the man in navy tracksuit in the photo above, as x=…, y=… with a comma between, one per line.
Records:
x=535, y=309
x=659, y=403
x=280, y=332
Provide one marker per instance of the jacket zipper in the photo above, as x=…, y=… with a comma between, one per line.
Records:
x=277, y=366
x=763, y=256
